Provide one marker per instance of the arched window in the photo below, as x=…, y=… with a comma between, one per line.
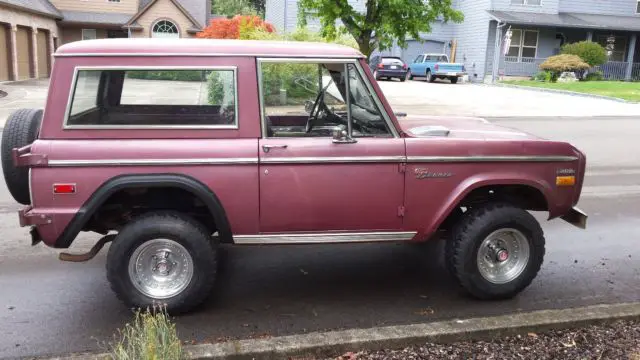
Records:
x=165, y=29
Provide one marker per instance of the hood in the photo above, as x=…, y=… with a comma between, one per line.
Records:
x=458, y=128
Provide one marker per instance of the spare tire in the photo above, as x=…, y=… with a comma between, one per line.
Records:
x=21, y=129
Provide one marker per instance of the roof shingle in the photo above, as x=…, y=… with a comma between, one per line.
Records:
x=570, y=20
x=95, y=18
x=39, y=6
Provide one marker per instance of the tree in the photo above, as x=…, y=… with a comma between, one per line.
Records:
x=238, y=27
x=232, y=8
x=382, y=23
x=592, y=53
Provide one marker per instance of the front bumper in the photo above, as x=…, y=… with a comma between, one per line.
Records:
x=576, y=217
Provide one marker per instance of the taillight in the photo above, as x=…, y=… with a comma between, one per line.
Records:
x=404, y=66
x=380, y=66
x=64, y=188
x=437, y=67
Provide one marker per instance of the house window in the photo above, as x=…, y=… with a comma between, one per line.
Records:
x=89, y=34
x=163, y=97
x=165, y=29
x=619, y=52
x=526, y=2
x=524, y=45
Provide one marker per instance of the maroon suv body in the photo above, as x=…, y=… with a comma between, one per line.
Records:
x=172, y=147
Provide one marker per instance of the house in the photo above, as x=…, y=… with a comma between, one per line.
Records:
x=30, y=30
x=513, y=37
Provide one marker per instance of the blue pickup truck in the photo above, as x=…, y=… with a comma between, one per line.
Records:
x=436, y=66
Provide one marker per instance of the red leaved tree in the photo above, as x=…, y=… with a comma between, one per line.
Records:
x=235, y=27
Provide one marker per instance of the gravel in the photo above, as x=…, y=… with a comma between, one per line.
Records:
x=619, y=341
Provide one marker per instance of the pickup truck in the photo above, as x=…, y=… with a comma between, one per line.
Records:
x=436, y=66
x=144, y=141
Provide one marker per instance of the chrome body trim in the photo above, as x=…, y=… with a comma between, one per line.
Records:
x=304, y=160
x=151, y=162
x=74, y=81
x=283, y=56
x=332, y=159
x=490, y=158
x=324, y=238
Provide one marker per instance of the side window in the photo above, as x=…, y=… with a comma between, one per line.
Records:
x=154, y=98
x=302, y=99
x=419, y=59
x=443, y=58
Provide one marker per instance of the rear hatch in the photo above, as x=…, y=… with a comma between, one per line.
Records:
x=392, y=64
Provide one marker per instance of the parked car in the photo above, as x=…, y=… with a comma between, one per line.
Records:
x=144, y=142
x=436, y=66
x=388, y=67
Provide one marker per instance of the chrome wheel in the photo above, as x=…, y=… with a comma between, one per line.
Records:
x=160, y=268
x=503, y=256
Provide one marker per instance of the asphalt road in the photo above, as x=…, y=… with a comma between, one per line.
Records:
x=50, y=307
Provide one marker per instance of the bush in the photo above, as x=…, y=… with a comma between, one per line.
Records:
x=595, y=76
x=180, y=75
x=545, y=76
x=150, y=336
x=590, y=52
x=561, y=63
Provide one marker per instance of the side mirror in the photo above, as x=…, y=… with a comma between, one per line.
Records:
x=340, y=135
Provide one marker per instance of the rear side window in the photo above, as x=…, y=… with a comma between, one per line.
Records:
x=154, y=98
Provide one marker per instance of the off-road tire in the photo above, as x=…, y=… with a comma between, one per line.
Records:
x=476, y=224
x=454, y=80
x=186, y=231
x=21, y=129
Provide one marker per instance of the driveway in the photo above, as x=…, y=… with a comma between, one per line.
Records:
x=443, y=98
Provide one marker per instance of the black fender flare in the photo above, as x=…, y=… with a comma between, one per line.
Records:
x=194, y=186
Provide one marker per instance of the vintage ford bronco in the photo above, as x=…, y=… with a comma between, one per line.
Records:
x=171, y=147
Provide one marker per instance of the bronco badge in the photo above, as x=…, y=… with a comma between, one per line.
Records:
x=422, y=173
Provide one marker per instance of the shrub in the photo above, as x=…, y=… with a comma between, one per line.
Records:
x=595, y=76
x=545, y=76
x=235, y=28
x=150, y=336
x=590, y=52
x=561, y=63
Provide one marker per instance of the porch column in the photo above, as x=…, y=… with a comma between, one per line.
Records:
x=632, y=50
x=14, y=52
x=497, y=53
x=34, y=51
x=589, y=35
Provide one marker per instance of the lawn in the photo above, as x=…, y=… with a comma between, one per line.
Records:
x=623, y=90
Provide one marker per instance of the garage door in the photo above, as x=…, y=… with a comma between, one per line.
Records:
x=4, y=53
x=24, y=55
x=43, y=53
x=415, y=48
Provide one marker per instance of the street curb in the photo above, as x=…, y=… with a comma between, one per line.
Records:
x=333, y=343
x=566, y=92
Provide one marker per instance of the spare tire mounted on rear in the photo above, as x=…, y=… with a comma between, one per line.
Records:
x=21, y=129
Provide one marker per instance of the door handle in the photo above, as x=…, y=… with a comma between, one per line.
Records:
x=266, y=148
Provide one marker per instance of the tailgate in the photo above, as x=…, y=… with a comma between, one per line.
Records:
x=446, y=67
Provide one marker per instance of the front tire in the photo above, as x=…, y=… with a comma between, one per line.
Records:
x=163, y=258
x=495, y=251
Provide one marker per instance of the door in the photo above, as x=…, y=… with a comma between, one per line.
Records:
x=4, y=53
x=308, y=182
x=43, y=53
x=23, y=47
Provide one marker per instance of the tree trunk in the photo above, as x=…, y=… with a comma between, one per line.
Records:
x=365, y=46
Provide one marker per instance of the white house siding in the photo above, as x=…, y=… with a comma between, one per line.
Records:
x=274, y=13
x=545, y=7
x=472, y=36
x=606, y=7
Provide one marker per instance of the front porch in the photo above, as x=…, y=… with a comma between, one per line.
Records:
x=530, y=45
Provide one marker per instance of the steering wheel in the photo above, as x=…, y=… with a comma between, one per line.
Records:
x=313, y=118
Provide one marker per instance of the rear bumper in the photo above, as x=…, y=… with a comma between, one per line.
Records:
x=576, y=217
x=450, y=73
x=392, y=73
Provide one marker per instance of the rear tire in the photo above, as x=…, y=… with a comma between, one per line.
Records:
x=142, y=274
x=495, y=251
x=21, y=129
x=454, y=80
x=430, y=78
x=375, y=75
x=409, y=75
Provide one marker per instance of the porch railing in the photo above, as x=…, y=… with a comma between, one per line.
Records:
x=612, y=70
